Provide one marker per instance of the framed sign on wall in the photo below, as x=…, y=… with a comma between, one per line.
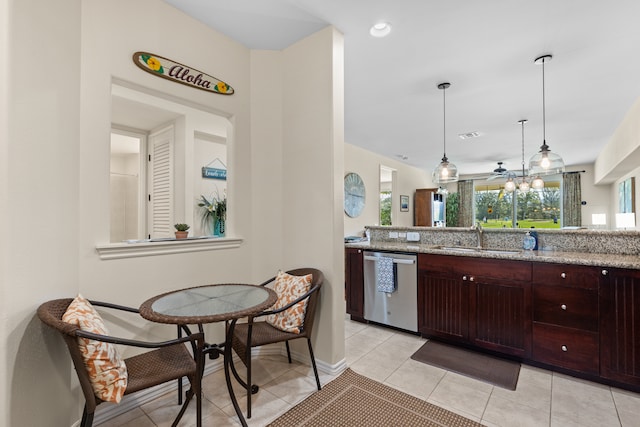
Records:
x=404, y=203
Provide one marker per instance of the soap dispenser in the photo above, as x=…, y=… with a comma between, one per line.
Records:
x=534, y=234
x=529, y=242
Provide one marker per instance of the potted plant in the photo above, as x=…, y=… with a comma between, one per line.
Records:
x=182, y=231
x=213, y=213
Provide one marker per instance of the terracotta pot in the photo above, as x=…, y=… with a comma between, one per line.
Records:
x=181, y=234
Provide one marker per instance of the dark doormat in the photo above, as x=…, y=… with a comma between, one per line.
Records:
x=493, y=370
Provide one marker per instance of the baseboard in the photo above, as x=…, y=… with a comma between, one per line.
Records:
x=324, y=367
x=106, y=411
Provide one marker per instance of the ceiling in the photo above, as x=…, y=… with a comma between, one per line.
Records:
x=485, y=49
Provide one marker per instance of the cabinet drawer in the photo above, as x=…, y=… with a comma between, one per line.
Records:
x=439, y=264
x=566, y=347
x=572, y=307
x=566, y=275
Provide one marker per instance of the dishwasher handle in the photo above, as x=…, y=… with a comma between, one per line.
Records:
x=395, y=260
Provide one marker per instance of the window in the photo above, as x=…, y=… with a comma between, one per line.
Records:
x=495, y=208
x=387, y=176
x=165, y=155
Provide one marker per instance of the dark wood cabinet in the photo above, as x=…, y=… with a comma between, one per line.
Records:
x=354, y=283
x=483, y=302
x=566, y=316
x=620, y=325
x=579, y=319
x=443, y=299
x=500, y=305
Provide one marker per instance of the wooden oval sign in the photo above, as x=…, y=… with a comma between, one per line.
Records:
x=174, y=71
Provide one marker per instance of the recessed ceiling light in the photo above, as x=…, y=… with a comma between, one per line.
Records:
x=380, y=29
x=469, y=135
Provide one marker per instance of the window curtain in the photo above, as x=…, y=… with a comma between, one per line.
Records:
x=465, y=214
x=571, y=200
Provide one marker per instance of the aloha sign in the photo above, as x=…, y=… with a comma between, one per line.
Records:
x=179, y=73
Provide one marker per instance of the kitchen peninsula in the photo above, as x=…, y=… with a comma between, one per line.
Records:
x=569, y=306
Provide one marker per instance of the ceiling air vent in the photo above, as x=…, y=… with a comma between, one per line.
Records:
x=469, y=135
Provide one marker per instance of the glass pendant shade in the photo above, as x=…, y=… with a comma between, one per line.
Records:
x=509, y=186
x=445, y=172
x=524, y=186
x=545, y=162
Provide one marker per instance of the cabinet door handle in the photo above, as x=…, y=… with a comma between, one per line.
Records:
x=564, y=348
x=563, y=306
x=471, y=278
x=464, y=277
x=563, y=275
x=605, y=272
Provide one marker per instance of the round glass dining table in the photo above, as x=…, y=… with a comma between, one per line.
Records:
x=207, y=304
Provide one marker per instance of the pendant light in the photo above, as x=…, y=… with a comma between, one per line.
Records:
x=524, y=185
x=544, y=162
x=446, y=171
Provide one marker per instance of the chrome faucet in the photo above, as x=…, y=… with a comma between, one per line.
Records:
x=479, y=231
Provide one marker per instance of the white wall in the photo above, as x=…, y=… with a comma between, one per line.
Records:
x=283, y=198
x=206, y=151
x=40, y=199
x=621, y=154
x=619, y=160
x=367, y=164
x=312, y=155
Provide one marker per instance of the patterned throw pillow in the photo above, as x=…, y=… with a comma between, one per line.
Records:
x=289, y=288
x=107, y=371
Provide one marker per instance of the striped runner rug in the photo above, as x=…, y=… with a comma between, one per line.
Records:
x=352, y=400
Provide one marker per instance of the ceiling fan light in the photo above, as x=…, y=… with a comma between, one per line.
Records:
x=509, y=186
x=537, y=183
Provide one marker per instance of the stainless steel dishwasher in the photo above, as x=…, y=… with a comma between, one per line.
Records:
x=398, y=308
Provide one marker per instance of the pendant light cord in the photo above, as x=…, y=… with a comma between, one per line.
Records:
x=444, y=120
x=544, y=103
x=522, y=126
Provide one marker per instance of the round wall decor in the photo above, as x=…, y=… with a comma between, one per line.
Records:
x=354, y=194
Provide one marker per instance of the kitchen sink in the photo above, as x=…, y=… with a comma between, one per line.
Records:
x=501, y=251
x=466, y=249
x=456, y=248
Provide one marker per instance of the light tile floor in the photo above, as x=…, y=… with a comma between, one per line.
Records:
x=542, y=398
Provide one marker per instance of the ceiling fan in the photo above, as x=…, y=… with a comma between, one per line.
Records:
x=501, y=172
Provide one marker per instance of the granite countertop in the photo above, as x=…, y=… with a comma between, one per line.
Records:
x=557, y=257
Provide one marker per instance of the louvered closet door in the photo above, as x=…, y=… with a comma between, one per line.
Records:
x=160, y=183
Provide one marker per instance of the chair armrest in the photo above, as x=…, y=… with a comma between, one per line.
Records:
x=114, y=306
x=198, y=336
x=291, y=304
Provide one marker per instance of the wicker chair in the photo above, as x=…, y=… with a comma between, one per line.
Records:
x=262, y=333
x=170, y=360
